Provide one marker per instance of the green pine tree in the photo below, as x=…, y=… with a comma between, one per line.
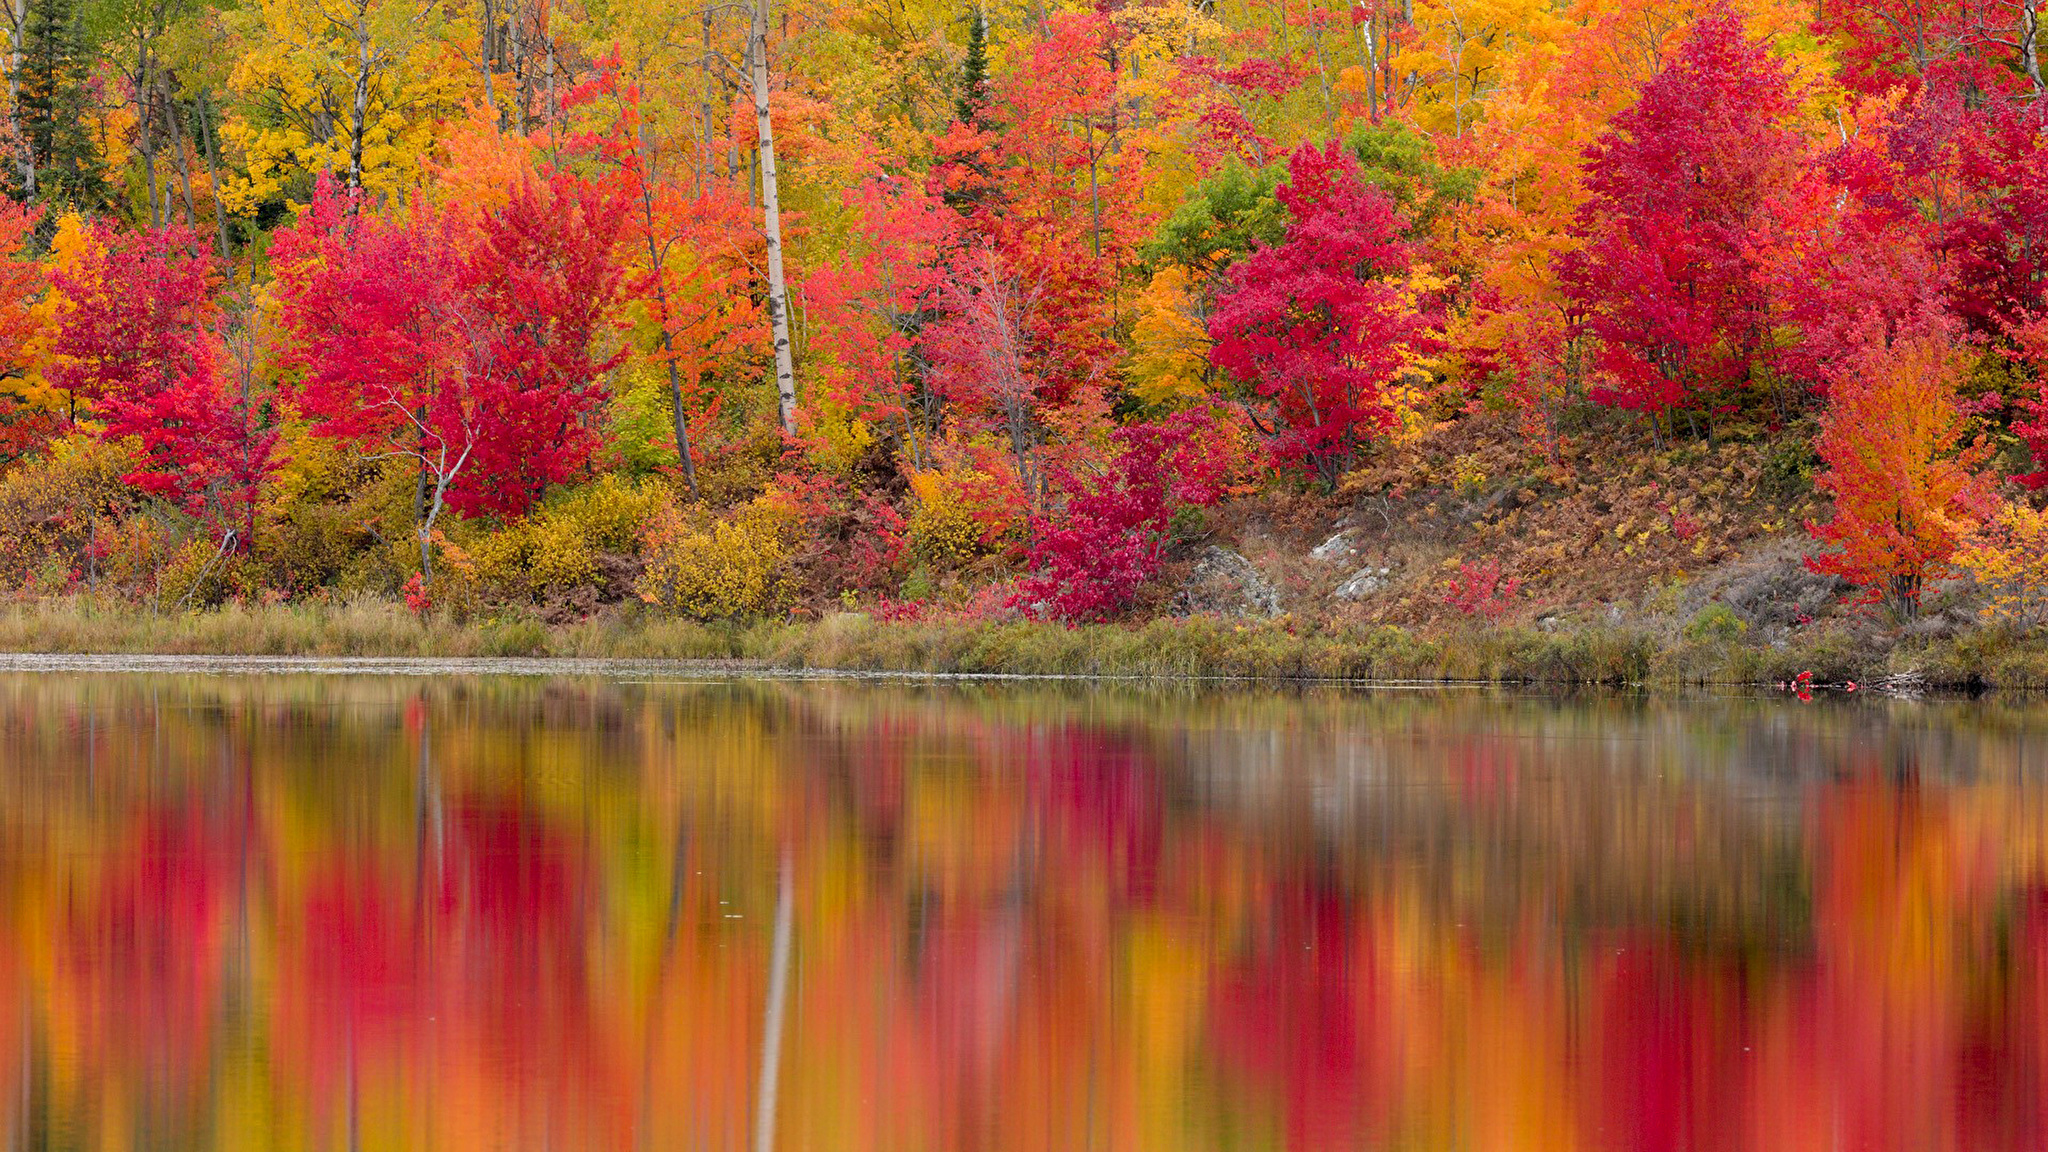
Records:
x=972, y=106
x=65, y=166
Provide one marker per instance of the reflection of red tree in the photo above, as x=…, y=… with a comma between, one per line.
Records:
x=144, y=950
x=1101, y=796
x=971, y=974
x=513, y=918
x=1295, y=1017
x=349, y=994
x=1668, y=1037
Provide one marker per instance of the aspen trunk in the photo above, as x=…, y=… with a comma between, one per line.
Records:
x=220, y=215
x=14, y=48
x=771, y=226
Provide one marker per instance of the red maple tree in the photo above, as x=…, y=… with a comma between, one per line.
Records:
x=1319, y=326
x=1668, y=270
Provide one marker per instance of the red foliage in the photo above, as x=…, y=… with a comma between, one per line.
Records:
x=470, y=352
x=137, y=304
x=1319, y=326
x=1678, y=185
x=1940, y=44
x=136, y=343
x=870, y=305
x=1479, y=590
x=1104, y=543
x=1057, y=209
x=539, y=277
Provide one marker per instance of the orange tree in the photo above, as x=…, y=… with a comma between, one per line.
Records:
x=1906, y=484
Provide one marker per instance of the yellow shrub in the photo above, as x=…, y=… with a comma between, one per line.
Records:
x=609, y=515
x=559, y=544
x=2008, y=557
x=718, y=568
x=50, y=507
x=951, y=526
x=838, y=439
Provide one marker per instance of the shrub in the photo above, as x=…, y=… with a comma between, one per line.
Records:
x=1090, y=559
x=1479, y=589
x=2008, y=558
x=845, y=542
x=561, y=544
x=1716, y=621
x=957, y=521
x=52, y=508
x=717, y=568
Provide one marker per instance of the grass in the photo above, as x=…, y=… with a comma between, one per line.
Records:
x=1166, y=648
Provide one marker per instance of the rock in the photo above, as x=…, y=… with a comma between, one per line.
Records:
x=1367, y=581
x=1225, y=583
x=1338, y=547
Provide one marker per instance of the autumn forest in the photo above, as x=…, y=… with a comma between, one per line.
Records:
x=1402, y=314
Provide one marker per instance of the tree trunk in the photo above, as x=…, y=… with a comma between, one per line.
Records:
x=486, y=47
x=143, y=133
x=359, y=103
x=178, y=143
x=2030, y=45
x=675, y=393
x=220, y=215
x=771, y=226
x=27, y=164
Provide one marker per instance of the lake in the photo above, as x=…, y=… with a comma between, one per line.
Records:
x=616, y=911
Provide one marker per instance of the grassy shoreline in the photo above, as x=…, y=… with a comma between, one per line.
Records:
x=1196, y=647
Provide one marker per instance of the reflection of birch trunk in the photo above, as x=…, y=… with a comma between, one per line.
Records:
x=771, y=1033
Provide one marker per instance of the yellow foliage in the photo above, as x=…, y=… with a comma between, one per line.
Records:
x=838, y=438
x=302, y=61
x=1171, y=343
x=715, y=569
x=69, y=247
x=559, y=545
x=2008, y=557
x=50, y=507
x=950, y=527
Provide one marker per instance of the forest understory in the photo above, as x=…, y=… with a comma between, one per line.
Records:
x=1618, y=559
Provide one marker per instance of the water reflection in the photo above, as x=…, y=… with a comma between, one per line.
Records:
x=330, y=912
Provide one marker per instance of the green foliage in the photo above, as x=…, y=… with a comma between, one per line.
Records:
x=1789, y=467
x=1221, y=220
x=637, y=420
x=1715, y=622
x=1401, y=163
x=56, y=65
x=971, y=107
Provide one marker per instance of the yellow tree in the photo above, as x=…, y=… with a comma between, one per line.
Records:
x=356, y=87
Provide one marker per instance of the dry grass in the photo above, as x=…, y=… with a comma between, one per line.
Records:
x=1167, y=648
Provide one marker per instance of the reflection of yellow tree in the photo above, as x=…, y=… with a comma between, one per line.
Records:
x=504, y=913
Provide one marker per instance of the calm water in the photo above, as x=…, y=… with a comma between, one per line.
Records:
x=304, y=911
